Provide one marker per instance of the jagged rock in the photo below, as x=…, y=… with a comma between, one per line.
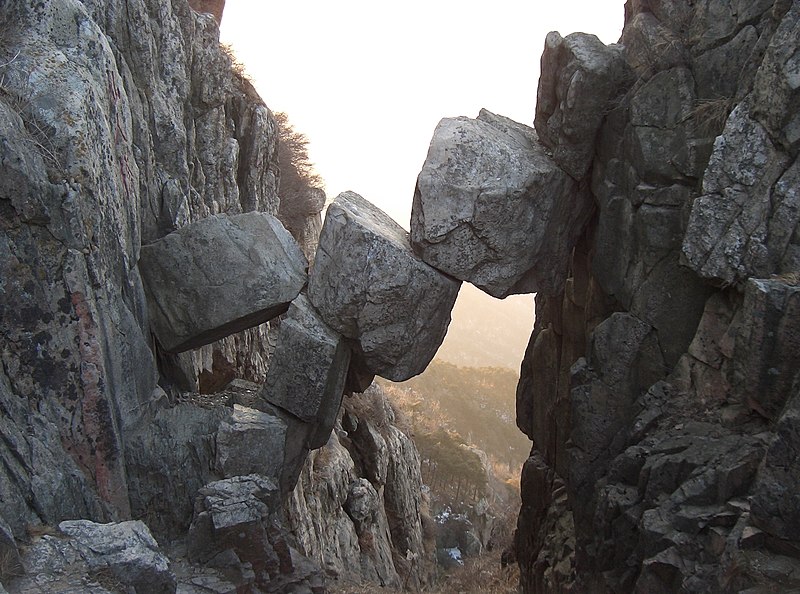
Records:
x=718, y=69
x=362, y=503
x=9, y=553
x=775, y=505
x=352, y=525
x=250, y=442
x=223, y=512
x=308, y=370
x=368, y=285
x=233, y=527
x=649, y=45
x=168, y=460
x=580, y=75
x=249, y=272
x=777, y=94
x=127, y=550
x=767, y=345
x=742, y=224
x=493, y=209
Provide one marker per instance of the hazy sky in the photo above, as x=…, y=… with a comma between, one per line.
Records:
x=367, y=81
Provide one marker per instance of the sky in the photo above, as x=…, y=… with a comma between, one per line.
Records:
x=367, y=81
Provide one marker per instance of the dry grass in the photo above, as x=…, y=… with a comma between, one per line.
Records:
x=480, y=575
x=710, y=115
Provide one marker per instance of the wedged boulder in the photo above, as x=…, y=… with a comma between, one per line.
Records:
x=580, y=75
x=368, y=285
x=493, y=209
x=218, y=276
x=308, y=370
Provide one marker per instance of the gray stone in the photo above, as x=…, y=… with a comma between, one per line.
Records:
x=127, y=550
x=168, y=460
x=580, y=75
x=650, y=47
x=775, y=504
x=777, y=86
x=493, y=209
x=219, y=276
x=238, y=500
x=767, y=344
x=308, y=370
x=9, y=553
x=727, y=237
x=362, y=503
x=717, y=71
x=368, y=285
x=250, y=442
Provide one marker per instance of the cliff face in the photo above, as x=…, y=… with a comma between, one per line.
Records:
x=660, y=385
x=357, y=509
x=121, y=121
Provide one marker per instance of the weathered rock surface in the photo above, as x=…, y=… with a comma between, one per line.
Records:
x=580, y=75
x=309, y=369
x=658, y=386
x=493, y=209
x=233, y=528
x=218, y=276
x=369, y=286
x=120, y=122
x=90, y=557
x=356, y=509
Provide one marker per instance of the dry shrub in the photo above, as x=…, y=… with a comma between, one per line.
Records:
x=710, y=115
x=480, y=575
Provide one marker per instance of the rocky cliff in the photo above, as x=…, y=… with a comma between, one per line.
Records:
x=358, y=509
x=143, y=257
x=653, y=207
x=660, y=385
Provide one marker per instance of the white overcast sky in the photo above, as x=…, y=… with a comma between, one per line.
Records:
x=367, y=81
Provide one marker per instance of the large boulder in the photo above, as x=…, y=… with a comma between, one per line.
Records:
x=219, y=276
x=493, y=209
x=308, y=370
x=368, y=285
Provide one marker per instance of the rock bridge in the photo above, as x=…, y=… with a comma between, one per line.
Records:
x=491, y=208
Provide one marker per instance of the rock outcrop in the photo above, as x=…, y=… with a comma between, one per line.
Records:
x=358, y=507
x=659, y=384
